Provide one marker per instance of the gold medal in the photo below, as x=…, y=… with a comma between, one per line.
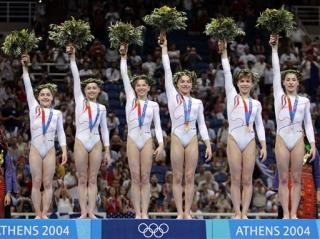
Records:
x=186, y=127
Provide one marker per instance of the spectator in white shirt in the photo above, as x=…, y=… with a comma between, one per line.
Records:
x=112, y=73
x=85, y=72
x=149, y=65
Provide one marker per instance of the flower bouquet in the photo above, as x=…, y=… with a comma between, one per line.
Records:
x=20, y=42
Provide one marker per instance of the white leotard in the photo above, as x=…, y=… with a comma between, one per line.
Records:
x=42, y=142
x=176, y=109
x=139, y=136
x=88, y=137
x=290, y=132
x=238, y=129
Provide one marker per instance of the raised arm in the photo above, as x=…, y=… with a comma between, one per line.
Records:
x=229, y=87
x=32, y=102
x=75, y=73
x=170, y=88
x=130, y=94
x=277, y=88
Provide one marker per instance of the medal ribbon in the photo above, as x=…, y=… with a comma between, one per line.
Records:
x=45, y=125
x=247, y=112
x=187, y=111
x=292, y=112
x=88, y=107
x=141, y=116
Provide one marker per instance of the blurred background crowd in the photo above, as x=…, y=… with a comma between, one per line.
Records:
x=188, y=49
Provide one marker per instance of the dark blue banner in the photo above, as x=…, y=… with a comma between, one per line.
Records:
x=153, y=229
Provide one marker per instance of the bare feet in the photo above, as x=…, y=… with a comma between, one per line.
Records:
x=138, y=216
x=92, y=216
x=144, y=216
x=83, y=216
x=285, y=216
x=37, y=217
x=180, y=216
x=236, y=216
x=187, y=216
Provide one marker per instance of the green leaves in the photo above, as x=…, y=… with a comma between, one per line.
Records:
x=125, y=33
x=19, y=42
x=166, y=19
x=276, y=20
x=75, y=32
x=223, y=28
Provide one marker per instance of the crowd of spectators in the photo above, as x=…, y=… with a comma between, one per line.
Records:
x=212, y=178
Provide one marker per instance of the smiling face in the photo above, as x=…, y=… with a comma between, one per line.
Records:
x=245, y=84
x=45, y=98
x=184, y=85
x=291, y=83
x=92, y=91
x=141, y=87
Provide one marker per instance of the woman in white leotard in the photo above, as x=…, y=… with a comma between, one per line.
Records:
x=185, y=111
x=44, y=123
x=89, y=115
x=290, y=110
x=140, y=112
x=243, y=112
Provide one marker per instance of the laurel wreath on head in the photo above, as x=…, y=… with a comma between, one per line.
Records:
x=147, y=78
x=295, y=71
x=167, y=19
x=52, y=87
x=92, y=80
x=191, y=74
x=254, y=76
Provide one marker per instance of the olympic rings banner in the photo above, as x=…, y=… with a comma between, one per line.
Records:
x=161, y=228
x=140, y=229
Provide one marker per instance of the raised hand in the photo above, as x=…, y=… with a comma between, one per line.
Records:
x=25, y=59
x=123, y=50
x=162, y=39
x=274, y=39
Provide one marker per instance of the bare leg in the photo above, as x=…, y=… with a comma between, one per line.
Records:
x=248, y=162
x=95, y=157
x=146, y=163
x=191, y=155
x=81, y=160
x=235, y=165
x=134, y=165
x=283, y=158
x=297, y=154
x=49, y=164
x=177, y=161
x=35, y=162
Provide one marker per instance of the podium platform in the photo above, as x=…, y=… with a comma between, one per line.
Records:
x=158, y=228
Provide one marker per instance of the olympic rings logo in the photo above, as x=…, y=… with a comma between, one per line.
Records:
x=153, y=230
